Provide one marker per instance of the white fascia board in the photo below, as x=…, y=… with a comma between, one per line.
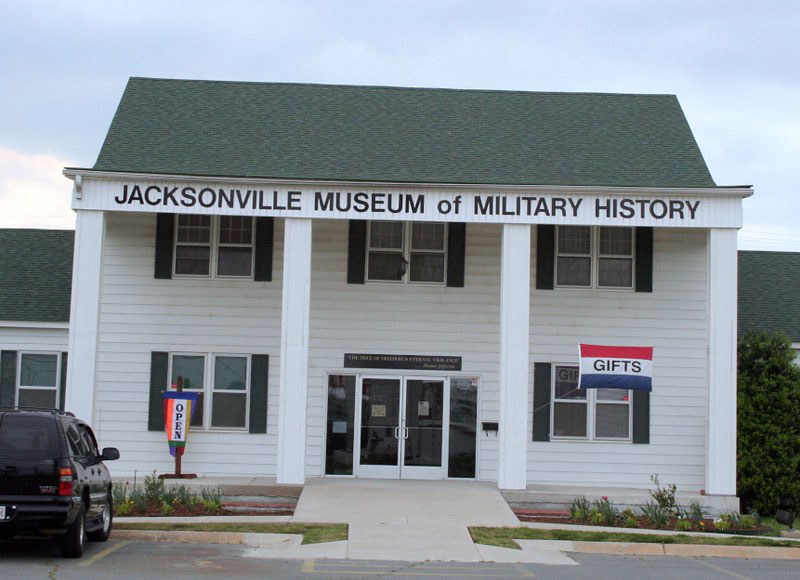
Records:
x=26, y=324
x=740, y=191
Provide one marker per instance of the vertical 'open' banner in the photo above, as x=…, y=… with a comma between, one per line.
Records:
x=178, y=410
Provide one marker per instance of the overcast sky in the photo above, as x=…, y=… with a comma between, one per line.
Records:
x=735, y=67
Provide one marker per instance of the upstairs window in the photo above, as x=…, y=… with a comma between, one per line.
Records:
x=214, y=246
x=600, y=257
x=407, y=252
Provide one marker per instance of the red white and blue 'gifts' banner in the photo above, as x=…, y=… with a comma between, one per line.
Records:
x=178, y=410
x=616, y=367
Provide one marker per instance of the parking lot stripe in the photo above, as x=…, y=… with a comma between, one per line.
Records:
x=104, y=553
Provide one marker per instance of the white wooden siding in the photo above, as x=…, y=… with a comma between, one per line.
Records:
x=673, y=319
x=404, y=319
x=140, y=314
x=26, y=338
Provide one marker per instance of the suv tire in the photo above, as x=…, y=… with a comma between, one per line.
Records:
x=71, y=544
x=104, y=532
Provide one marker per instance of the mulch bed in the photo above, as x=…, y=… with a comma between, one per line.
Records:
x=228, y=509
x=562, y=517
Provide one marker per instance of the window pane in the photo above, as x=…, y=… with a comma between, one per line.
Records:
x=38, y=370
x=45, y=398
x=617, y=272
x=194, y=229
x=188, y=368
x=385, y=266
x=611, y=420
x=569, y=419
x=192, y=260
x=235, y=261
x=425, y=236
x=463, y=425
x=427, y=267
x=616, y=241
x=574, y=239
x=613, y=394
x=574, y=271
x=228, y=409
x=235, y=230
x=340, y=425
x=28, y=437
x=567, y=384
x=230, y=373
x=386, y=235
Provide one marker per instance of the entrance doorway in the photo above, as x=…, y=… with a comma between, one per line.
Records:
x=408, y=427
x=401, y=432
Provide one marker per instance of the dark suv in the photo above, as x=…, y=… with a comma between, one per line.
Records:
x=52, y=479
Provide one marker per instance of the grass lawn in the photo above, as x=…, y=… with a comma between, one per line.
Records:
x=504, y=537
x=312, y=533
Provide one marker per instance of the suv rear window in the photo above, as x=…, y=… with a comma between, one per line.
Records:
x=28, y=436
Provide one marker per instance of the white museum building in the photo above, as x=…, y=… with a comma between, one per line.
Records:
x=383, y=282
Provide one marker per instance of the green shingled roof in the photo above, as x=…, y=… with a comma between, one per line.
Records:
x=769, y=292
x=361, y=133
x=35, y=275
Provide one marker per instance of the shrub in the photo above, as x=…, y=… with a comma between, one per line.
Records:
x=722, y=525
x=183, y=494
x=153, y=488
x=139, y=499
x=664, y=496
x=748, y=521
x=654, y=512
x=579, y=509
x=696, y=511
x=683, y=525
x=119, y=492
x=597, y=518
x=123, y=509
x=167, y=509
x=768, y=422
x=630, y=522
x=607, y=510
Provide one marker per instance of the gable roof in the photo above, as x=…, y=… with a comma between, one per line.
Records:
x=35, y=274
x=769, y=292
x=409, y=135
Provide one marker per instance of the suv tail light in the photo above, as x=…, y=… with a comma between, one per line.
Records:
x=65, y=481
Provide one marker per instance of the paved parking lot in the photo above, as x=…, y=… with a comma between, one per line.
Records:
x=149, y=560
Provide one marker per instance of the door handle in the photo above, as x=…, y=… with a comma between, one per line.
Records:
x=405, y=432
x=397, y=432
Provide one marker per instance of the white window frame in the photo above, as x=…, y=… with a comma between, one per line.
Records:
x=406, y=252
x=591, y=402
x=56, y=388
x=214, y=245
x=594, y=260
x=208, y=390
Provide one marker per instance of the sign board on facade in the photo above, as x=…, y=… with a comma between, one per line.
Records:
x=417, y=362
x=530, y=205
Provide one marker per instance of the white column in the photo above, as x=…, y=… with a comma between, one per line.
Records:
x=721, y=436
x=294, y=351
x=515, y=293
x=87, y=271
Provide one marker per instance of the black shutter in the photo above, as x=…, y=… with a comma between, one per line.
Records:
x=159, y=367
x=62, y=382
x=541, y=401
x=644, y=259
x=259, y=378
x=265, y=227
x=456, y=240
x=165, y=233
x=357, y=252
x=641, y=416
x=545, y=256
x=8, y=377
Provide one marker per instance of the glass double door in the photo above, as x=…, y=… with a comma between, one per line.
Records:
x=401, y=431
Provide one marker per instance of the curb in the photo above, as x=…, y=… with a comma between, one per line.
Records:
x=182, y=537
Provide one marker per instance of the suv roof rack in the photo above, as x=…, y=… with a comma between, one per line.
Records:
x=49, y=410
